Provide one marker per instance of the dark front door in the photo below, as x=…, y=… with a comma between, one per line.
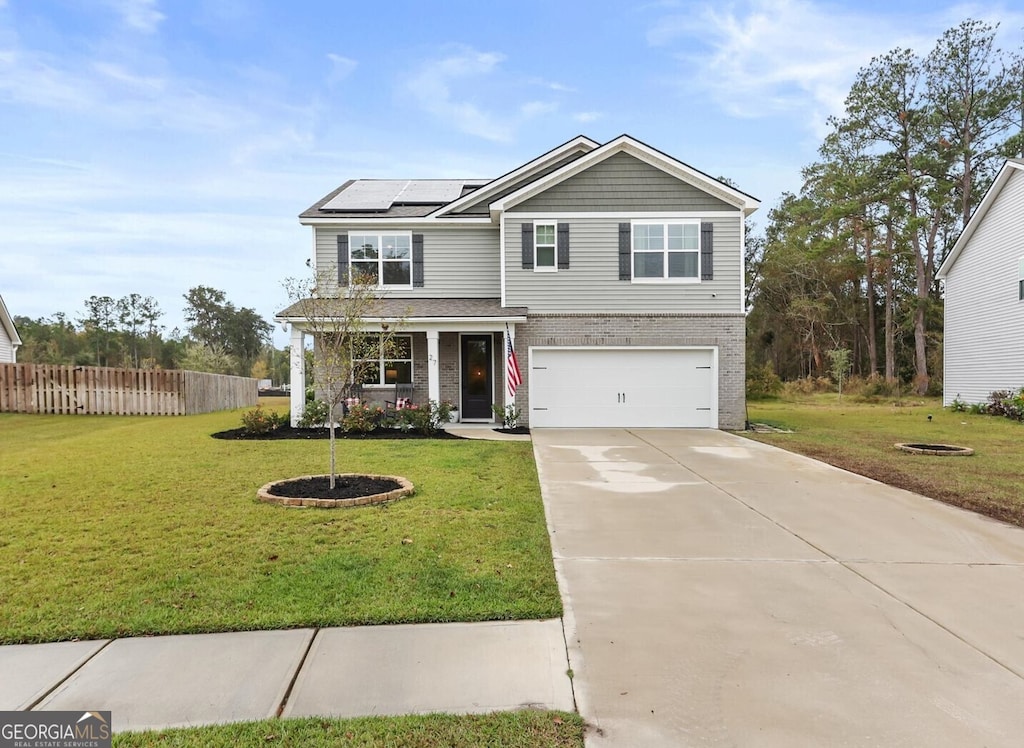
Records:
x=477, y=376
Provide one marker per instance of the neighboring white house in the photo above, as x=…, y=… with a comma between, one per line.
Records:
x=615, y=271
x=9, y=340
x=984, y=290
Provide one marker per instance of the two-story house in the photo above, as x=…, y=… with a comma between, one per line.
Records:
x=614, y=271
x=983, y=340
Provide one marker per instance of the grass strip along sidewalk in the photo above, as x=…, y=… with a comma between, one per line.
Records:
x=129, y=526
x=525, y=729
x=859, y=437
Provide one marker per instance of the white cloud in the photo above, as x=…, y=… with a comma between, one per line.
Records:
x=536, y=108
x=341, y=68
x=432, y=85
x=141, y=15
x=778, y=56
x=587, y=117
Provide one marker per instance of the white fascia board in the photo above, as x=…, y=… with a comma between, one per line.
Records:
x=665, y=215
x=396, y=222
x=626, y=144
x=537, y=164
x=501, y=259
x=1007, y=170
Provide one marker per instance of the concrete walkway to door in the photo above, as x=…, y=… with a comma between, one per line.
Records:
x=722, y=592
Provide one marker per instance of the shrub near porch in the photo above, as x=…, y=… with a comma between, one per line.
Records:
x=125, y=526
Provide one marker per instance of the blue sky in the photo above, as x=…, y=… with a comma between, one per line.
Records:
x=151, y=146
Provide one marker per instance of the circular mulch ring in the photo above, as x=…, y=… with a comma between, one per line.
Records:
x=350, y=490
x=939, y=450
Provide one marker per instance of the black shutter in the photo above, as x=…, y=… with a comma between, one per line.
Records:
x=342, y=259
x=707, y=251
x=527, y=246
x=625, y=252
x=417, y=260
x=563, y=246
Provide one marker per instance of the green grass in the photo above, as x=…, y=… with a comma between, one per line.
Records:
x=128, y=526
x=860, y=437
x=525, y=729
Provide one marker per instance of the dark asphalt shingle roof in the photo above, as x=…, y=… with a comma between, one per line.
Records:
x=425, y=308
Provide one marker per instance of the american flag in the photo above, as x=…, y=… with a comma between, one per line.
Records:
x=514, y=377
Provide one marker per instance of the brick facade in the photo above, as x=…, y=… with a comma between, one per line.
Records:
x=726, y=332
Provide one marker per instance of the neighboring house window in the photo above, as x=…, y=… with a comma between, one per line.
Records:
x=1020, y=279
x=384, y=259
x=396, y=369
x=544, y=246
x=666, y=251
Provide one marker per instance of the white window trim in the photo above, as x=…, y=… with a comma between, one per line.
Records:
x=380, y=233
x=666, y=224
x=379, y=385
x=553, y=268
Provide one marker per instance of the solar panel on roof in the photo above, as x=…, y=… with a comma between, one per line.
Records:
x=373, y=194
x=430, y=191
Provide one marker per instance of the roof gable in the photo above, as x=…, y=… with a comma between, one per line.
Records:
x=1009, y=168
x=643, y=152
x=7, y=322
x=538, y=166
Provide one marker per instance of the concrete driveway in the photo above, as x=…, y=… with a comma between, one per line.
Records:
x=721, y=592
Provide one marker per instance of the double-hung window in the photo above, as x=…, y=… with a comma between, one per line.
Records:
x=544, y=247
x=383, y=259
x=666, y=251
x=393, y=366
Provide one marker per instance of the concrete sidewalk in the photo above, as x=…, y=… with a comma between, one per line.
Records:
x=177, y=681
x=719, y=591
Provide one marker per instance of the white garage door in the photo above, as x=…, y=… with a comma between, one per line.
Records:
x=624, y=387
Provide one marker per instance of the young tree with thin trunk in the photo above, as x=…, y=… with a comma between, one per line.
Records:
x=346, y=351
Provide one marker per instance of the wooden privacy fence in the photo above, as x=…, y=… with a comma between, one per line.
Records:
x=40, y=388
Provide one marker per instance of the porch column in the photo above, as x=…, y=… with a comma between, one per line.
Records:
x=297, y=380
x=433, y=366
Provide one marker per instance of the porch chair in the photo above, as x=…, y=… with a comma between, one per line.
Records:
x=403, y=397
x=353, y=396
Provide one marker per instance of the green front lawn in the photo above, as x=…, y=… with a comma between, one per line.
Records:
x=128, y=526
x=525, y=729
x=860, y=437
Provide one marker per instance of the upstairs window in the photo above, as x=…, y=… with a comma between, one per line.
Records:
x=666, y=251
x=384, y=259
x=544, y=246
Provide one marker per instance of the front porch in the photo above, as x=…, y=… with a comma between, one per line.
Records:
x=457, y=349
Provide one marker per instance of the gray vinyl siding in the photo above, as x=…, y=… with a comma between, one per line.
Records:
x=983, y=344
x=6, y=347
x=591, y=284
x=458, y=263
x=622, y=183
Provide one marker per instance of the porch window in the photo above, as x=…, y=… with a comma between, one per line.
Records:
x=396, y=369
x=666, y=251
x=383, y=259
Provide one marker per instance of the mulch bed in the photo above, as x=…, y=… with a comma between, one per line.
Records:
x=516, y=430
x=287, y=432
x=345, y=487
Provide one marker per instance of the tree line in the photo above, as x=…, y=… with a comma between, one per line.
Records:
x=849, y=263
x=126, y=332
